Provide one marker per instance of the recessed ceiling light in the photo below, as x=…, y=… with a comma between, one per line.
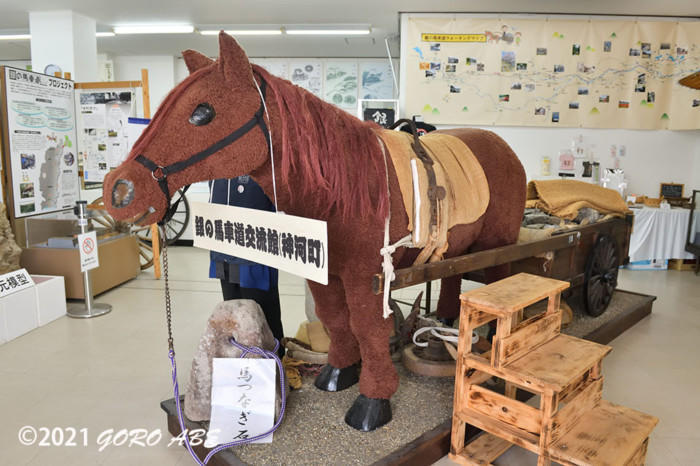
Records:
x=244, y=32
x=328, y=32
x=15, y=37
x=104, y=34
x=155, y=29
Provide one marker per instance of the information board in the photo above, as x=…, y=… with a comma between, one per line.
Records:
x=40, y=138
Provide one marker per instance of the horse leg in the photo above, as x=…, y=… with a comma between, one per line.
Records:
x=460, y=238
x=378, y=379
x=342, y=370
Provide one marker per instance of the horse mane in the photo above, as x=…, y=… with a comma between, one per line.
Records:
x=328, y=154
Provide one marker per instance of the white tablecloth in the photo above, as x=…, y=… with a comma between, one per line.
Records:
x=659, y=234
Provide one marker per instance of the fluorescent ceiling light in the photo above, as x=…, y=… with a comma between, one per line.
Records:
x=244, y=32
x=15, y=36
x=104, y=34
x=328, y=32
x=155, y=29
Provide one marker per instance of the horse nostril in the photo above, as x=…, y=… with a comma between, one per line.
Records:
x=122, y=193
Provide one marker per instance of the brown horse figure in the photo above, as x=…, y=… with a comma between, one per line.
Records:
x=330, y=167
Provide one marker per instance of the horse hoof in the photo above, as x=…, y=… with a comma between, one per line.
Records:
x=367, y=414
x=332, y=379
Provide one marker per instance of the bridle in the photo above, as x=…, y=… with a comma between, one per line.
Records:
x=160, y=173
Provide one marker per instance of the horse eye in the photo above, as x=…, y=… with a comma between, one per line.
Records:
x=202, y=115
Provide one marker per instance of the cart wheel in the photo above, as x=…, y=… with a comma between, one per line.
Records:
x=600, y=278
x=105, y=220
x=175, y=227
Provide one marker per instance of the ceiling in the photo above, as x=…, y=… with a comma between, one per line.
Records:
x=382, y=15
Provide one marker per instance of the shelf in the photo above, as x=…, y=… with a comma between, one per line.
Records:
x=607, y=435
x=512, y=294
x=482, y=450
x=558, y=363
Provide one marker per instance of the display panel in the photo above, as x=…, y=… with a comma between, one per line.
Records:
x=41, y=141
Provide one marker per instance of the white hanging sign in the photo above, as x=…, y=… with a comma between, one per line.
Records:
x=87, y=244
x=13, y=282
x=296, y=245
x=242, y=400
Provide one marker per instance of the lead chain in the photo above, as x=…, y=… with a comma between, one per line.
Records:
x=168, y=312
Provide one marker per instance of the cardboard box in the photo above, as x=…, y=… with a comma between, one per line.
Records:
x=50, y=298
x=683, y=265
x=119, y=262
x=19, y=311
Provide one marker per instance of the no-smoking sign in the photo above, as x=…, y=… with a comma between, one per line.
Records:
x=88, y=245
x=88, y=251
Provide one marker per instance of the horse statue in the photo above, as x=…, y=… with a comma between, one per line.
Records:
x=229, y=118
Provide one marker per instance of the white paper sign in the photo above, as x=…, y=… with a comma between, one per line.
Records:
x=294, y=244
x=15, y=281
x=87, y=243
x=242, y=400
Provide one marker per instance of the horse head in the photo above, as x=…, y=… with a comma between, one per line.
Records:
x=193, y=136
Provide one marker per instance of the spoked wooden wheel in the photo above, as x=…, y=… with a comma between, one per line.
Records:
x=175, y=227
x=105, y=220
x=600, y=278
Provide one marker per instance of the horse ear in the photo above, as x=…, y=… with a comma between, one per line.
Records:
x=195, y=60
x=233, y=60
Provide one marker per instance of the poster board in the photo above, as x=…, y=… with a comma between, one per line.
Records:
x=592, y=72
x=102, y=112
x=39, y=142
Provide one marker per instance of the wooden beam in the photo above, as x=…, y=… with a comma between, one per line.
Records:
x=154, y=227
x=146, y=93
x=474, y=261
x=108, y=85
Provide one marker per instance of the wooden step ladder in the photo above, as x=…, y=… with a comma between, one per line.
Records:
x=572, y=425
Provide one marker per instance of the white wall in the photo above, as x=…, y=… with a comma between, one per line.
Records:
x=161, y=74
x=653, y=157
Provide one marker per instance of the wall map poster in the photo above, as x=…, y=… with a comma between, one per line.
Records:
x=594, y=73
x=42, y=139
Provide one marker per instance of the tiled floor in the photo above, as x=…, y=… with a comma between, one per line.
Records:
x=111, y=372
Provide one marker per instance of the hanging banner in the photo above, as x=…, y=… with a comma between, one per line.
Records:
x=294, y=244
x=41, y=138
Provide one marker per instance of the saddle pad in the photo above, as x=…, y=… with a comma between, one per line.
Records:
x=456, y=169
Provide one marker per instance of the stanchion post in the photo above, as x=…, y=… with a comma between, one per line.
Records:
x=89, y=308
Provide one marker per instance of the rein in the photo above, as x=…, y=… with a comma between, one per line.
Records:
x=160, y=173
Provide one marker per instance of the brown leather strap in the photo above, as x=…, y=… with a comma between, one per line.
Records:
x=435, y=192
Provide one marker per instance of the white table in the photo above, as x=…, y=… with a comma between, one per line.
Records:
x=659, y=234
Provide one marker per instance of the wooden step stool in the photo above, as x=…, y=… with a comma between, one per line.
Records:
x=534, y=356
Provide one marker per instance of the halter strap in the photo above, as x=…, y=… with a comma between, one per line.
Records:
x=160, y=173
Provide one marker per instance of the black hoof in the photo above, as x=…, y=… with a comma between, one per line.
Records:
x=367, y=414
x=332, y=379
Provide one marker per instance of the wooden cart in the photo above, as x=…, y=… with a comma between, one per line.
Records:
x=588, y=257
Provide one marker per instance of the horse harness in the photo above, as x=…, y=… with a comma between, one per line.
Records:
x=435, y=192
x=160, y=173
